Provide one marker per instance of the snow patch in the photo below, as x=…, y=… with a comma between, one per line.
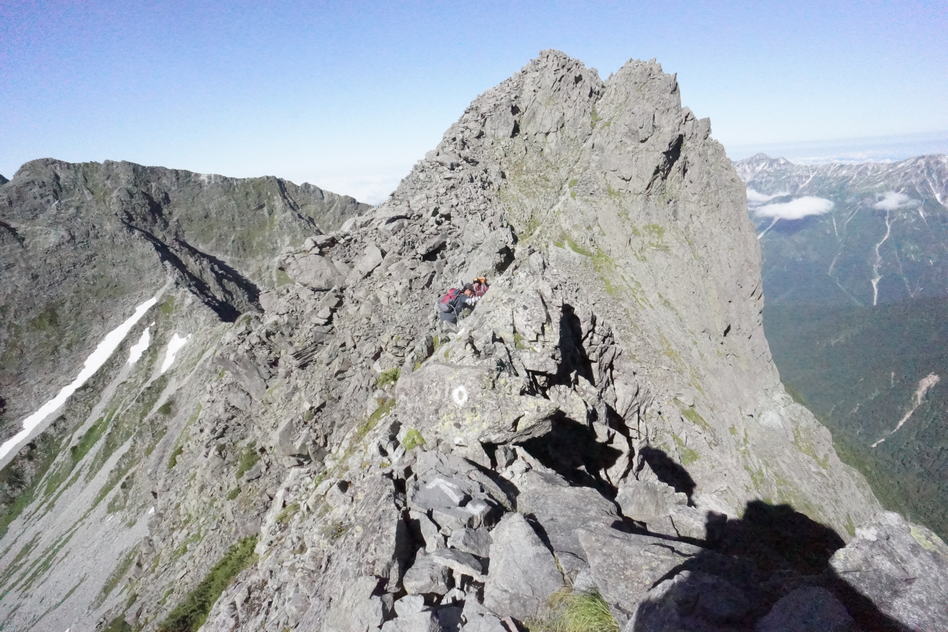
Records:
x=796, y=209
x=174, y=346
x=771, y=225
x=876, y=276
x=93, y=363
x=139, y=348
x=892, y=201
x=924, y=385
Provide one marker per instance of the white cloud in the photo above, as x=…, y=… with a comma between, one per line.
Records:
x=796, y=209
x=371, y=188
x=892, y=201
x=756, y=197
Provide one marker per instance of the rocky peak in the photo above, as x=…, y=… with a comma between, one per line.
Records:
x=605, y=425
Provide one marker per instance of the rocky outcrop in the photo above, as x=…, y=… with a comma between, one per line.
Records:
x=605, y=429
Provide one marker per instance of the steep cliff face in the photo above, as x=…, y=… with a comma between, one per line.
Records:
x=83, y=243
x=606, y=422
x=855, y=273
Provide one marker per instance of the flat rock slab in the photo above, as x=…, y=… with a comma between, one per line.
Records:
x=625, y=566
x=902, y=568
x=563, y=509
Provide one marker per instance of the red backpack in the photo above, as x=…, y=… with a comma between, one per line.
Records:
x=444, y=303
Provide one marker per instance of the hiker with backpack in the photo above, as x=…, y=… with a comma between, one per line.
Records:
x=454, y=301
x=480, y=286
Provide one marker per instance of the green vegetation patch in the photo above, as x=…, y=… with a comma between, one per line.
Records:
x=190, y=614
x=248, y=458
x=76, y=453
x=118, y=624
x=12, y=480
x=46, y=320
x=287, y=513
x=413, y=439
x=17, y=562
x=688, y=456
x=389, y=376
x=565, y=241
x=173, y=459
x=805, y=446
x=335, y=530
x=385, y=407
x=166, y=307
x=693, y=416
x=576, y=612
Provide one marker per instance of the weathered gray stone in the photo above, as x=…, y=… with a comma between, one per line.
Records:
x=460, y=562
x=410, y=604
x=425, y=576
x=475, y=541
x=417, y=622
x=625, y=566
x=317, y=272
x=429, y=531
x=691, y=600
x=476, y=618
x=562, y=510
x=902, y=568
x=647, y=501
x=354, y=609
x=523, y=573
x=370, y=260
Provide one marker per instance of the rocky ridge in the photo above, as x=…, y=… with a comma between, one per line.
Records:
x=82, y=242
x=607, y=423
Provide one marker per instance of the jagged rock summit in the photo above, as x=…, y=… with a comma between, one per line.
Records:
x=606, y=428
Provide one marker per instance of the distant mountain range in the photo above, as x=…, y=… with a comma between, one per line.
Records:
x=856, y=287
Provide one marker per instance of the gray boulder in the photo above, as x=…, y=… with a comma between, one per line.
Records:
x=354, y=609
x=625, y=566
x=317, y=272
x=691, y=600
x=523, y=573
x=901, y=567
x=426, y=576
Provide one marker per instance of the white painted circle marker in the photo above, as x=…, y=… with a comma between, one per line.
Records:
x=459, y=395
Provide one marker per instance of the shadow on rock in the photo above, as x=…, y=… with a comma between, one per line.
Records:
x=768, y=572
x=573, y=357
x=572, y=450
x=668, y=471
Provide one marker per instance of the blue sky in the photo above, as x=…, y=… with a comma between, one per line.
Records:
x=348, y=95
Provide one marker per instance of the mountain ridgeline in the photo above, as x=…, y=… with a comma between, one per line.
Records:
x=83, y=243
x=857, y=312
x=605, y=432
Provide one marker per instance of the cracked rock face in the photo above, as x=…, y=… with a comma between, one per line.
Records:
x=606, y=420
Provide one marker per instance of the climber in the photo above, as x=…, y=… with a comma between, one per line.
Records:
x=451, y=304
x=480, y=286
